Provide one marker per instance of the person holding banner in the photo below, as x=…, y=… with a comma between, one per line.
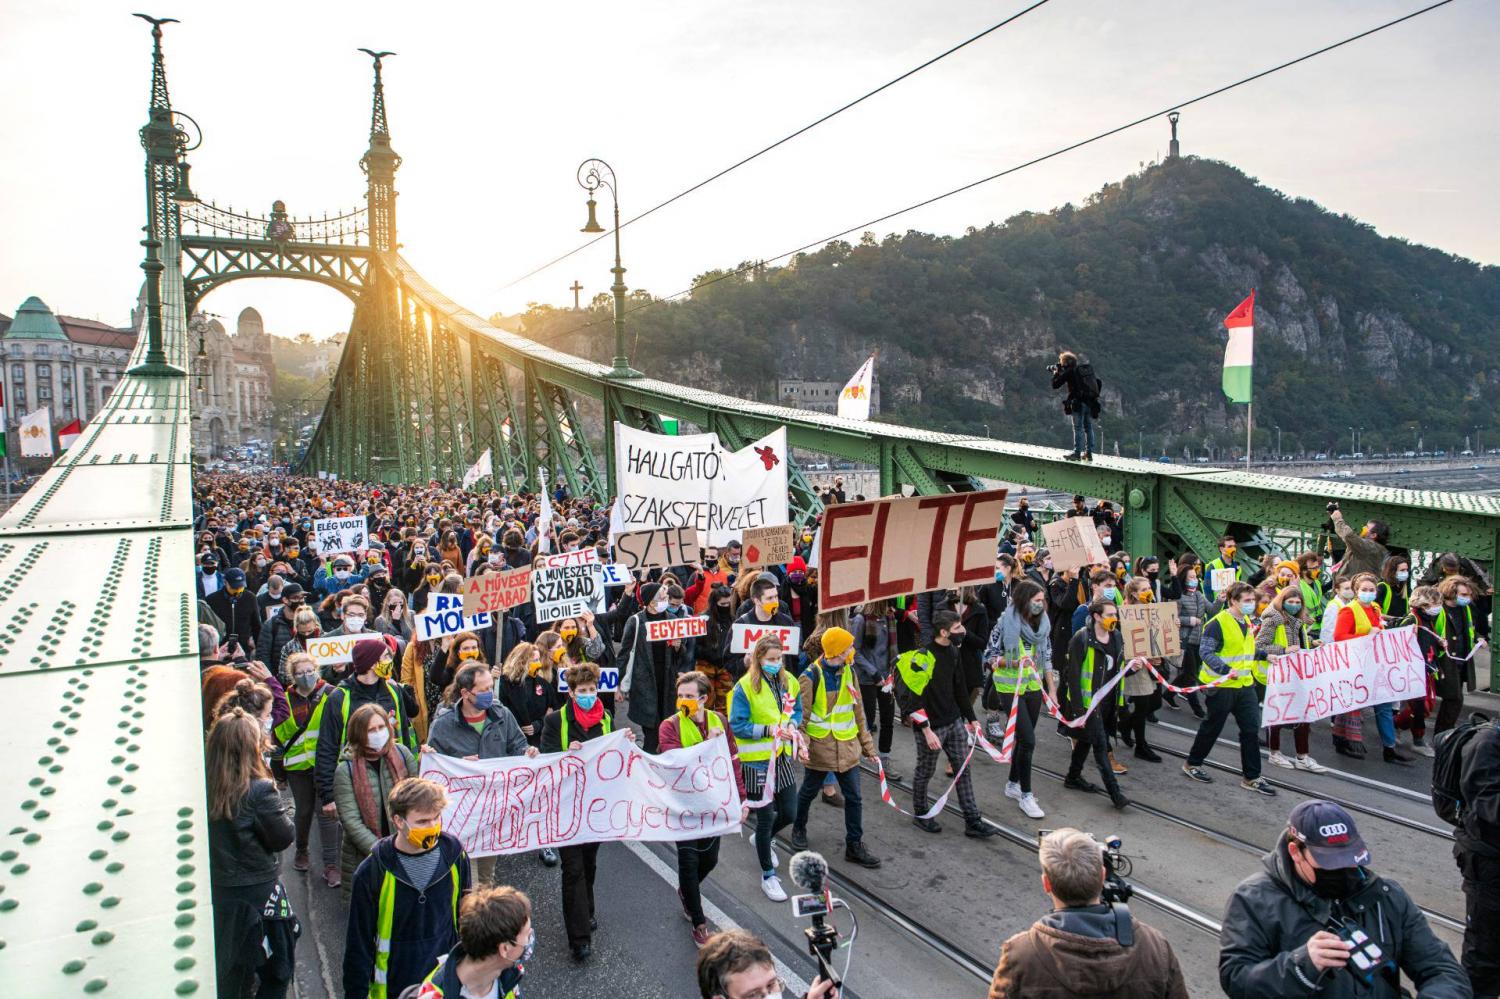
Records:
x=1019, y=649
x=1230, y=662
x=765, y=607
x=1095, y=656
x=581, y=719
x=765, y=715
x=1138, y=689
x=528, y=687
x=691, y=724
x=1355, y=620
x=1284, y=628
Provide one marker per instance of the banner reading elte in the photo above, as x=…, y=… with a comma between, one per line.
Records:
x=567, y=584
x=692, y=481
x=895, y=547
x=1340, y=677
x=670, y=629
x=1073, y=542
x=339, y=534
x=497, y=591
x=607, y=790
x=742, y=637
x=444, y=615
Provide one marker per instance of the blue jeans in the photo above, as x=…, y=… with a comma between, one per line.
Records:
x=812, y=785
x=1085, y=430
x=1385, y=723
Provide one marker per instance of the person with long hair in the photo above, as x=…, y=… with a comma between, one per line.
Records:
x=1022, y=637
x=528, y=687
x=1139, y=688
x=1456, y=626
x=1192, y=612
x=247, y=829
x=372, y=762
x=1284, y=627
x=721, y=668
x=763, y=705
x=874, y=629
x=296, y=751
x=1423, y=607
x=395, y=618
x=1394, y=589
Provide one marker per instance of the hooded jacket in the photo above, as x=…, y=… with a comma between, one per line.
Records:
x=1076, y=953
x=452, y=735
x=1271, y=915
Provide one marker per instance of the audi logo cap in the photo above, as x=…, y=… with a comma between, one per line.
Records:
x=1328, y=833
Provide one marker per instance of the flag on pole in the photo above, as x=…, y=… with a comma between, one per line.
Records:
x=482, y=468
x=68, y=434
x=1239, y=352
x=544, y=520
x=854, y=399
x=36, y=434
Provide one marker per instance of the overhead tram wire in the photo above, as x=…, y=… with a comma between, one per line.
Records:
x=788, y=138
x=1017, y=168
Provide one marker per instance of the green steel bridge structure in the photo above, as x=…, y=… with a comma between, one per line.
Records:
x=104, y=885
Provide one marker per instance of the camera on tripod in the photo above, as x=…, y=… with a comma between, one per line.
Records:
x=1117, y=867
x=810, y=872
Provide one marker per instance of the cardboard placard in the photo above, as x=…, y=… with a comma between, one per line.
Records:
x=338, y=648
x=1073, y=542
x=1150, y=630
x=896, y=547
x=658, y=548
x=444, y=615
x=742, y=637
x=497, y=591
x=765, y=546
x=339, y=534
x=676, y=628
x=567, y=584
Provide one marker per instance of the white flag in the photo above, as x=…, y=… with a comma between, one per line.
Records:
x=854, y=399
x=544, y=521
x=36, y=434
x=482, y=468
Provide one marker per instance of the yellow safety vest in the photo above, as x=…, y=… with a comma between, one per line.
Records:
x=1441, y=624
x=840, y=721
x=402, y=735
x=689, y=729
x=301, y=754
x=564, y=730
x=915, y=668
x=1008, y=673
x=385, y=917
x=1086, y=680
x=1238, y=651
x=766, y=712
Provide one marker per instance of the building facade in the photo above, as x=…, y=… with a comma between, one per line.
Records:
x=67, y=364
x=823, y=397
x=232, y=378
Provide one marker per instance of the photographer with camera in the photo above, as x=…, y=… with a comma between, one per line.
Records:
x=1082, y=402
x=1085, y=946
x=735, y=964
x=1318, y=921
x=1364, y=548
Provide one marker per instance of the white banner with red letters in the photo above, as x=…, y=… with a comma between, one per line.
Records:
x=1334, y=679
x=675, y=629
x=609, y=789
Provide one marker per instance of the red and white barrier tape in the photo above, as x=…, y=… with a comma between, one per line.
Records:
x=782, y=733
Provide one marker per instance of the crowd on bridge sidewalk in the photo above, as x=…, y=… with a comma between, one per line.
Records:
x=346, y=739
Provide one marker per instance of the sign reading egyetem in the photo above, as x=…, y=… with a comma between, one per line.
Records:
x=607, y=790
x=1340, y=677
x=676, y=628
x=894, y=547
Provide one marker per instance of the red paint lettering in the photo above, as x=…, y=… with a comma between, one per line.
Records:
x=943, y=505
x=882, y=589
x=830, y=553
x=982, y=570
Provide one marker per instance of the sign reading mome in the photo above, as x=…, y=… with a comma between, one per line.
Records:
x=742, y=637
x=444, y=615
x=658, y=548
x=894, y=547
x=339, y=534
x=692, y=481
x=567, y=584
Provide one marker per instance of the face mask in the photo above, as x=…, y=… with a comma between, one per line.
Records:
x=528, y=950
x=354, y=622
x=1366, y=598
x=341, y=574
x=1347, y=596
x=378, y=738
x=1028, y=556
x=1109, y=593
x=1341, y=882
x=796, y=577
x=484, y=700
x=1192, y=584
x=260, y=563
x=1153, y=573
x=957, y=637
x=1228, y=553
x=1292, y=607
x=1109, y=623
x=1047, y=564
x=586, y=702
x=568, y=634
x=557, y=654
x=1402, y=575
x=1247, y=607
x=383, y=668
x=771, y=667
x=1314, y=573
x=434, y=580
x=209, y=570
x=423, y=837
x=293, y=553
x=465, y=655
x=235, y=591
x=1464, y=601
x=494, y=558
x=1037, y=606
x=687, y=705
x=307, y=681
x=1104, y=539
x=999, y=575
x=1430, y=611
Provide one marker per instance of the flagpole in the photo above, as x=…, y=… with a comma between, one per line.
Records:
x=1249, y=425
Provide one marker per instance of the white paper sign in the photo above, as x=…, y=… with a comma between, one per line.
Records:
x=444, y=615
x=1340, y=677
x=609, y=680
x=339, y=534
x=1221, y=579
x=609, y=789
x=567, y=584
x=675, y=629
x=616, y=574
x=742, y=637
x=337, y=649
x=692, y=481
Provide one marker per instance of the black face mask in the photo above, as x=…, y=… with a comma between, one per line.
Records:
x=1341, y=882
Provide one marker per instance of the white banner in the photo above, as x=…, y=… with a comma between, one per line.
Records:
x=742, y=637
x=35, y=431
x=483, y=468
x=607, y=790
x=567, y=584
x=339, y=534
x=1340, y=677
x=609, y=680
x=616, y=574
x=692, y=481
x=337, y=648
x=444, y=615
x=675, y=629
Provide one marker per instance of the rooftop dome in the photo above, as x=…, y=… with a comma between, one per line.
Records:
x=34, y=321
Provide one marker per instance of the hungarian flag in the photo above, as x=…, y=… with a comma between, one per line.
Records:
x=1239, y=352
x=68, y=434
x=854, y=399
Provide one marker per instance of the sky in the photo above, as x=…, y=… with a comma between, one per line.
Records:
x=493, y=106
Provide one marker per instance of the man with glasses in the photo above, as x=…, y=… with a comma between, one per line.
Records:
x=734, y=964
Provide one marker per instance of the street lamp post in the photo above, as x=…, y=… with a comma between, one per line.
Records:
x=592, y=175
x=1278, y=442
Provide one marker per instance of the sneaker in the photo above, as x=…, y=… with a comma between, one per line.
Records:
x=1117, y=766
x=856, y=853
x=582, y=952
x=772, y=887
x=775, y=858
x=1144, y=752
x=683, y=902
x=332, y=877
x=1260, y=786
x=836, y=799
x=891, y=774
x=1422, y=749
x=1309, y=764
x=1072, y=456
x=302, y=861
x=1079, y=784
x=927, y=825
x=799, y=838
x=1030, y=807
x=1198, y=774
x=1353, y=750
x=1278, y=760
x=700, y=934
x=1013, y=790
x=1393, y=755
x=549, y=857
x=978, y=830
x=1118, y=799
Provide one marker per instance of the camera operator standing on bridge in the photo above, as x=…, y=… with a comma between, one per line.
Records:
x=1316, y=921
x=1364, y=549
x=1081, y=403
x=1084, y=946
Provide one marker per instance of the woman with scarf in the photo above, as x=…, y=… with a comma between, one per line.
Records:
x=1020, y=647
x=1284, y=627
x=757, y=712
x=371, y=763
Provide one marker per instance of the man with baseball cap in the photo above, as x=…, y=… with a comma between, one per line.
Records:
x=1317, y=921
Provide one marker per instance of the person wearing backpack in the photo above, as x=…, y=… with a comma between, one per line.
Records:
x=1082, y=402
x=1466, y=793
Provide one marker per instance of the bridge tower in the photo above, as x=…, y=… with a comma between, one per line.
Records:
x=380, y=163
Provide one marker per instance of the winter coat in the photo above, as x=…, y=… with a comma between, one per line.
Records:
x=828, y=754
x=646, y=709
x=1191, y=604
x=1271, y=915
x=874, y=647
x=1265, y=638
x=1078, y=393
x=1361, y=554
x=246, y=850
x=241, y=618
x=274, y=635
x=331, y=728
x=1075, y=952
x=359, y=839
x=451, y=735
x=1479, y=787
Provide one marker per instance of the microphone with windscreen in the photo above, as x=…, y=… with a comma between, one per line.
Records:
x=810, y=872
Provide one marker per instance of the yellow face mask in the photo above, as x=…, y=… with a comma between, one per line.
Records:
x=465, y=655
x=770, y=606
x=1229, y=553
x=423, y=837
x=383, y=668
x=557, y=654
x=568, y=634
x=433, y=580
x=1146, y=596
x=533, y=668
x=1028, y=556
x=687, y=705
x=1110, y=623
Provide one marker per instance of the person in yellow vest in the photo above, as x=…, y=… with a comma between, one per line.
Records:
x=297, y=746
x=764, y=702
x=403, y=912
x=689, y=725
x=1228, y=649
x=833, y=718
x=495, y=940
x=1355, y=621
x=1227, y=549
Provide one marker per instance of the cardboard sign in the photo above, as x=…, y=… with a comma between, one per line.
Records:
x=676, y=628
x=895, y=547
x=608, y=789
x=1340, y=677
x=497, y=591
x=616, y=574
x=765, y=546
x=1219, y=580
x=609, y=680
x=567, y=584
x=658, y=548
x=337, y=649
x=444, y=615
x=339, y=534
x=1150, y=630
x=742, y=637
x=1073, y=543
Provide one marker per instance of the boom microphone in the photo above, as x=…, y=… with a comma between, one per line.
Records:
x=809, y=871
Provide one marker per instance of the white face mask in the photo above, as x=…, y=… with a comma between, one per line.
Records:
x=354, y=622
x=378, y=738
x=659, y=607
